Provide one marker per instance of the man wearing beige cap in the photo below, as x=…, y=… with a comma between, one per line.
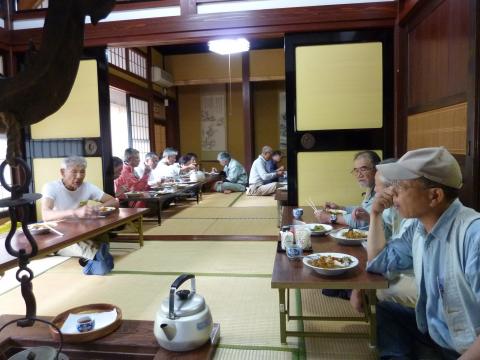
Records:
x=442, y=246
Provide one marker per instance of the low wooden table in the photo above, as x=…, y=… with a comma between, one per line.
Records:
x=133, y=340
x=74, y=230
x=288, y=274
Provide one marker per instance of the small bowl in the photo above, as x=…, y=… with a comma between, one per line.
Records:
x=85, y=323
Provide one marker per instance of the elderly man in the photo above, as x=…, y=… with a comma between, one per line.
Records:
x=63, y=198
x=150, y=162
x=167, y=168
x=128, y=178
x=364, y=163
x=259, y=174
x=442, y=246
x=235, y=175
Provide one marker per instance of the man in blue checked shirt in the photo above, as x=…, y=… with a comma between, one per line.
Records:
x=442, y=246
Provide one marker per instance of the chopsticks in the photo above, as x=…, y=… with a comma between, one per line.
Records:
x=52, y=229
x=312, y=204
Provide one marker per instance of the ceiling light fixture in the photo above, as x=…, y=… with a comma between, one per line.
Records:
x=229, y=46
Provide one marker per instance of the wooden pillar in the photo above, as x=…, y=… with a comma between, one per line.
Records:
x=247, y=112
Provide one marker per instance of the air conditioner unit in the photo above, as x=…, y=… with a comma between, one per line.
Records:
x=161, y=77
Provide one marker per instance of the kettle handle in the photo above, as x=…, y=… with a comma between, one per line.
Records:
x=176, y=284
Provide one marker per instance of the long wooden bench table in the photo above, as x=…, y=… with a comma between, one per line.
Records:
x=133, y=340
x=74, y=230
x=288, y=274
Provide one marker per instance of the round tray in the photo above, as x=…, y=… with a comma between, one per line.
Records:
x=90, y=335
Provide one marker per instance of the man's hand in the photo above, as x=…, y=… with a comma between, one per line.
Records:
x=322, y=216
x=85, y=211
x=382, y=201
x=279, y=172
x=281, y=168
x=360, y=214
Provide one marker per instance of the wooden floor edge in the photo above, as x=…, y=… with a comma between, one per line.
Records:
x=133, y=238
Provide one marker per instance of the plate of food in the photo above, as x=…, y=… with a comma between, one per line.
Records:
x=330, y=263
x=336, y=211
x=350, y=236
x=319, y=229
x=40, y=228
x=106, y=210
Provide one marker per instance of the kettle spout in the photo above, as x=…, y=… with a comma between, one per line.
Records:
x=169, y=330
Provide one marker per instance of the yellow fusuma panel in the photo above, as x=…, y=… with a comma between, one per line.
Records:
x=47, y=170
x=325, y=176
x=79, y=116
x=339, y=86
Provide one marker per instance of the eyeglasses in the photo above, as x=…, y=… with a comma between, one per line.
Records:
x=360, y=170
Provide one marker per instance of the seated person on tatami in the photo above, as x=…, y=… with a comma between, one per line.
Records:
x=364, y=171
x=401, y=287
x=188, y=162
x=150, y=162
x=235, y=176
x=62, y=199
x=128, y=177
x=273, y=165
x=259, y=174
x=167, y=168
x=441, y=245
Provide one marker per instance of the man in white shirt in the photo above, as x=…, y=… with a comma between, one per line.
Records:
x=259, y=174
x=65, y=197
x=151, y=161
x=167, y=166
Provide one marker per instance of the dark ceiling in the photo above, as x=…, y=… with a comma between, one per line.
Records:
x=255, y=44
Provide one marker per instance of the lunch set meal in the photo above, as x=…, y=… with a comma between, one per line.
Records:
x=331, y=262
x=354, y=234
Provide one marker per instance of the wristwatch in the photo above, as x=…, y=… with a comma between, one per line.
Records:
x=333, y=218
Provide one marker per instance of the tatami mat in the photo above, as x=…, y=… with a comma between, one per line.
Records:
x=226, y=213
x=9, y=280
x=338, y=349
x=248, y=354
x=218, y=199
x=215, y=257
x=254, y=227
x=249, y=201
x=181, y=227
x=246, y=308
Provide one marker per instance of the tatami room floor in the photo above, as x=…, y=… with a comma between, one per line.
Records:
x=234, y=276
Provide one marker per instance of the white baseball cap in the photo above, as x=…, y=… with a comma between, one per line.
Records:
x=435, y=164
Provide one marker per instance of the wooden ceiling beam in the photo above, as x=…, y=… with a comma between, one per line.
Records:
x=190, y=28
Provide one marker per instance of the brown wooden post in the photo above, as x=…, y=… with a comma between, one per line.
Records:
x=247, y=112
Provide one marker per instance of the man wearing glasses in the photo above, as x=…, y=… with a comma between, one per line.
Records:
x=442, y=245
x=364, y=171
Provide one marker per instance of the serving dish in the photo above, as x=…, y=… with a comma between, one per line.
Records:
x=319, y=229
x=342, y=263
x=95, y=333
x=342, y=237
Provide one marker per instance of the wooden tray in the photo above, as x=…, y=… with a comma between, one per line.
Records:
x=89, y=335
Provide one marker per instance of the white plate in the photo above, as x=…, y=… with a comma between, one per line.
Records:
x=341, y=239
x=327, y=271
x=106, y=210
x=321, y=232
x=39, y=228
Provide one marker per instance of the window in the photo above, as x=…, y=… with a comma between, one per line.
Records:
x=140, y=138
x=8, y=178
x=117, y=57
x=130, y=60
x=137, y=63
x=129, y=123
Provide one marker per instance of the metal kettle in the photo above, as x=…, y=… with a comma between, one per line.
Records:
x=184, y=321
